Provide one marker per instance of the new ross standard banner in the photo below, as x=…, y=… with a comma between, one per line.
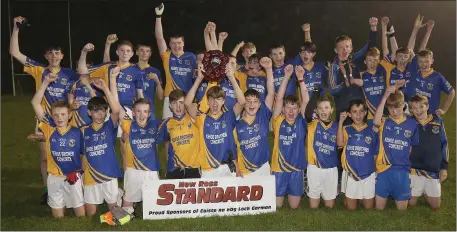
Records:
x=190, y=198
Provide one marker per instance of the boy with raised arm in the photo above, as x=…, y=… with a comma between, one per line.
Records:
x=101, y=168
x=360, y=147
x=429, y=159
x=289, y=128
x=178, y=65
x=217, y=145
x=252, y=142
x=63, y=150
x=56, y=91
x=247, y=50
x=78, y=98
x=397, y=134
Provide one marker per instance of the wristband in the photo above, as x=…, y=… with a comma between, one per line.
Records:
x=300, y=81
x=158, y=16
x=391, y=35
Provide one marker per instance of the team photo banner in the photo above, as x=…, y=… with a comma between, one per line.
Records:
x=191, y=198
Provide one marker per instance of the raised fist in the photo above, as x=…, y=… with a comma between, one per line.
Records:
x=159, y=9
x=114, y=72
x=18, y=19
x=266, y=63
x=288, y=70
x=88, y=47
x=373, y=21
x=152, y=76
x=306, y=27
x=223, y=35
x=430, y=25
x=111, y=38
x=99, y=83
x=241, y=44
x=343, y=116
x=299, y=72
x=51, y=77
x=385, y=20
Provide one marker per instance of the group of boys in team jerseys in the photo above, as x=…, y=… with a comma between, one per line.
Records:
x=219, y=129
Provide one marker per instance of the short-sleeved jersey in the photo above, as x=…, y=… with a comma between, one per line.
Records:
x=63, y=149
x=431, y=156
x=429, y=84
x=56, y=91
x=128, y=81
x=278, y=76
x=314, y=76
x=403, y=74
x=251, y=140
x=321, y=144
x=149, y=85
x=395, y=140
x=359, y=151
x=100, y=160
x=178, y=71
x=141, y=146
x=258, y=83
x=374, y=85
x=81, y=94
x=184, y=147
x=216, y=138
x=289, y=144
x=230, y=97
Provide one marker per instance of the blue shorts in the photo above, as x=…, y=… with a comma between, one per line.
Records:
x=290, y=183
x=394, y=182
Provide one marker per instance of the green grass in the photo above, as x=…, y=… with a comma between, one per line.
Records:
x=22, y=188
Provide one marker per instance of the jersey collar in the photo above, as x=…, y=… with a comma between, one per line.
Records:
x=427, y=74
x=249, y=121
x=54, y=70
x=363, y=126
x=324, y=126
x=372, y=73
x=309, y=67
x=427, y=120
x=143, y=67
x=217, y=116
x=179, y=118
x=398, y=121
x=123, y=66
x=64, y=131
x=95, y=127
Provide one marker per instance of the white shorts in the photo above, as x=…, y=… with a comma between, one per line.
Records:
x=133, y=180
x=61, y=194
x=166, y=108
x=95, y=194
x=264, y=170
x=221, y=171
x=363, y=189
x=322, y=182
x=422, y=184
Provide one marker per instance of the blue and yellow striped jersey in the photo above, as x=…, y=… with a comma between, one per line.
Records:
x=56, y=91
x=81, y=94
x=359, y=151
x=278, y=76
x=321, y=144
x=402, y=74
x=216, y=138
x=396, y=138
x=258, y=83
x=184, y=147
x=252, y=141
x=63, y=149
x=129, y=80
x=374, y=85
x=432, y=156
x=141, y=146
x=149, y=85
x=100, y=162
x=178, y=71
x=289, y=144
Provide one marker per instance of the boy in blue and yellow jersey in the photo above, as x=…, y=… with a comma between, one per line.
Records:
x=63, y=150
x=397, y=134
x=254, y=77
x=322, y=154
x=184, y=137
x=101, y=168
x=374, y=79
x=141, y=160
x=78, y=98
x=314, y=76
x=178, y=65
x=152, y=80
x=360, y=147
x=252, y=143
x=217, y=145
x=277, y=55
x=289, y=127
x=429, y=159
x=430, y=83
x=247, y=49
x=56, y=91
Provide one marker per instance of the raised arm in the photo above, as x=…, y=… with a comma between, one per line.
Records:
x=110, y=39
x=159, y=89
x=14, y=42
x=424, y=42
x=288, y=70
x=393, y=43
x=111, y=96
x=38, y=97
x=208, y=44
x=191, y=108
x=385, y=46
x=307, y=31
x=359, y=56
x=380, y=110
x=212, y=34
x=417, y=25
x=158, y=30
x=237, y=48
x=300, y=74
x=339, y=133
x=220, y=42
x=82, y=66
x=240, y=99
x=267, y=65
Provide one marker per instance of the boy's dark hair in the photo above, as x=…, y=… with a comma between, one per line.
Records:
x=425, y=52
x=342, y=38
x=291, y=99
x=177, y=37
x=402, y=50
x=252, y=93
x=142, y=101
x=176, y=95
x=274, y=46
x=357, y=102
x=125, y=42
x=143, y=45
x=60, y=104
x=97, y=103
x=324, y=98
x=53, y=48
x=308, y=47
x=253, y=57
x=215, y=92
